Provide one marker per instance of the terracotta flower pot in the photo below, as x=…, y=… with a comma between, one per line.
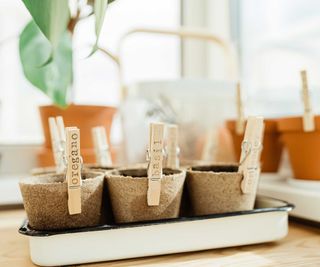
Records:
x=272, y=146
x=217, y=189
x=84, y=117
x=45, y=200
x=223, y=150
x=98, y=168
x=303, y=147
x=45, y=156
x=128, y=195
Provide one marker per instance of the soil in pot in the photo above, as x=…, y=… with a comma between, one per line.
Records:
x=303, y=147
x=98, y=168
x=45, y=200
x=217, y=189
x=128, y=194
x=272, y=146
x=86, y=168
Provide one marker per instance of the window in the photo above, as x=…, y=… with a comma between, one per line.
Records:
x=278, y=38
x=96, y=78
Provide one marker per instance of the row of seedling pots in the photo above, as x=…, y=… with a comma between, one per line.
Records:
x=300, y=135
x=83, y=197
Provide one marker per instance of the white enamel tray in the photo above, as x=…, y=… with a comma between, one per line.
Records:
x=267, y=222
x=305, y=195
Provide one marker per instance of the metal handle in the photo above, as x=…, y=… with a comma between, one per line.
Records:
x=183, y=33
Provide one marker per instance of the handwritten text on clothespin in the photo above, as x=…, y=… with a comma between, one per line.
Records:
x=250, y=154
x=155, y=157
x=74, y=166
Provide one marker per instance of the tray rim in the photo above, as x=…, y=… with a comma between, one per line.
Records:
x=26, y=230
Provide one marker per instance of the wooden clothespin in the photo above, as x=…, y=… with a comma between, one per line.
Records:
x=250, y=154
x=74, y=165
x=101, y=146
x=210, y=148
x=155, y=158
x=57, y=133
x=62, y=133
x=55, y=141
x=172, y=147
x=240, y=115
x=308, y=116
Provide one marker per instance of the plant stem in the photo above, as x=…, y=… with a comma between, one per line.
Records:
x=73, y=22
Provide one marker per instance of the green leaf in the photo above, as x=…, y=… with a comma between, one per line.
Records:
x=99, y=9
x=51, y=16
x=55, y=78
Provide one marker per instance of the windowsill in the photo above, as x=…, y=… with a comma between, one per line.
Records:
x=9, y=189
x=18, y=141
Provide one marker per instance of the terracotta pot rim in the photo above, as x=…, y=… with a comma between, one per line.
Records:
x=76, y=105
x=270, y=124
x=295, y=124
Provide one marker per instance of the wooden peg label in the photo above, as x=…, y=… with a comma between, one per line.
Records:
x=155, y=163
x=54, y=133
x=240, y=116
x=250, y=154
x=60, y=124
x=73, y=170
x=58, y=142
x=308, y=116
x=102, y=151
x=172, y=147
x=210, y=148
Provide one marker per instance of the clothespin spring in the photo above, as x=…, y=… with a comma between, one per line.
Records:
x=246, y=146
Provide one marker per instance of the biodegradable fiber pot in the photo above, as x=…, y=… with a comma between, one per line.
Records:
x=217, y=189
x=272, y=146
x=128, y=194
x=45, y=200
x=98, y=168
x=303, y=147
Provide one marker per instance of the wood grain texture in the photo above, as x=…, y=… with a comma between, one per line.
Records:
x=300, y=248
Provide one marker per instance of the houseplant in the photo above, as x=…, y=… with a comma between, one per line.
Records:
x=46, y=56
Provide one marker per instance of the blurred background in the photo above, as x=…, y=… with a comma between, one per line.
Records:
x=270, y=42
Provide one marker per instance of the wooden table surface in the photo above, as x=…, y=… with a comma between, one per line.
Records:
x=300, y=248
